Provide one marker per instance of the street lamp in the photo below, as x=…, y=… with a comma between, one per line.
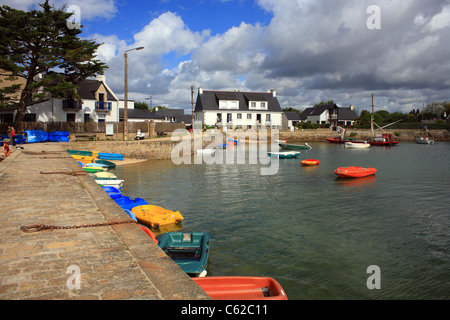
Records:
x=125, y=113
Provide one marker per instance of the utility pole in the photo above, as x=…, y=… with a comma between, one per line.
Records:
x=192, y=102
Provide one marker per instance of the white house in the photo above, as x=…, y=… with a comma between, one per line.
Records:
x=329, y=114
x=235, y=109
x=99, y=104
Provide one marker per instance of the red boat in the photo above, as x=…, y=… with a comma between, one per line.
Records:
x=384, y=139
x=241, y=288
x=354, y=172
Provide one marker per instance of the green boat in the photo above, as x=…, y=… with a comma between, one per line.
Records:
x=110, y=164
x=93, y=169
x=306, y=146
x=188, y=250
x=80, y=153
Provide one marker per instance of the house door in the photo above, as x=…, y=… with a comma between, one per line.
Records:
x=258, y=118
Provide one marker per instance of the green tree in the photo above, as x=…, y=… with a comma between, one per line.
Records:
x=321, y=103
x=141, y=105
x=39, y=46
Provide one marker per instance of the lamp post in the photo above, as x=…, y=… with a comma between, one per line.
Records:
x=125, y=113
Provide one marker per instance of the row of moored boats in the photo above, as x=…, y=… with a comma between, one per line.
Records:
x=190, y=250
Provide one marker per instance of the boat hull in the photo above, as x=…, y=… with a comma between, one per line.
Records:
x=353, y=145
x=110, y=164
x=422, y=140
x=110, y=156
x=354, y=172
x=281, y=155
x=241, y=288
x=189, y=250
x=156, y=216
x=110, y=183
x=295, y=146
x=310, y=162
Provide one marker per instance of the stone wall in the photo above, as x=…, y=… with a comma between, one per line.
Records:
x=319, y=135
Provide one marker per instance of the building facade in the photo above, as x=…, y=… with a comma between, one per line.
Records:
x=240, y=110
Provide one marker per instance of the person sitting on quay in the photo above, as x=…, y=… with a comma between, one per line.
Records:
x=6, y=148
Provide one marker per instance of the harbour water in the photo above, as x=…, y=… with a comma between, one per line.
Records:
x=313, y=232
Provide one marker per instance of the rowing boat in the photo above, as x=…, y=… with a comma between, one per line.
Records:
x=241, y=288
x=156, y=216
x=354, y=172
x=189, y=250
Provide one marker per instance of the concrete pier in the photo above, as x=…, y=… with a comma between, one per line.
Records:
x=110, y=262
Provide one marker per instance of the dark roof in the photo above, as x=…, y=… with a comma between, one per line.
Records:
x=139, y=114
x=343, y=113
x=170, y=112
x=292, y=115
x=209, y=100
x=88, y=88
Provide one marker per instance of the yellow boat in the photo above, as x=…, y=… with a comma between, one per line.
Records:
x=156, y=216
x=83, y=159
x=104, y=175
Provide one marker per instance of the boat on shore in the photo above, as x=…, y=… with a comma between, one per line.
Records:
x=83, y=159
x=110, y=164
x=241, y=288
x=80, y=152
x=94, y=169
x=424, y=140
x=354, y=145
x=105, y=176
x=189, y=250
x=110, y=183
x=286, y=154
x=110, y=156
x=156, y=216
x=354, y=172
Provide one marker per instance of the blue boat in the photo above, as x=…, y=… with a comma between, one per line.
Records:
x=110, y=156
x=113, y=192
x=189, y=250
x=128, y=204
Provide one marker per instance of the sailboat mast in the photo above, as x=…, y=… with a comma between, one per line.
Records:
x=371, y=120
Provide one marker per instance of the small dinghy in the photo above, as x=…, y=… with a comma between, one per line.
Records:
x=286, y=154
x=111, y=183
x=110, y=164
x=241, y=288
x=127, y=203
x=310, y=162
x=357, y=145
x=99, y=165
x=189, y=250
x=110, y=156
x=156, y=216
x=424, y=140
x=354, y=172
x=104, y=176
x=94, y=169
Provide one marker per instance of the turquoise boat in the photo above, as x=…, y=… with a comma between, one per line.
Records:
x=110, y=156
x=80, y=153
x=306, y=146
x=110, y=164
x=188, y=250
x=287, y=154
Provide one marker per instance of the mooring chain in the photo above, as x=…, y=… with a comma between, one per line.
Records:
x=75, y=173
x=42, y=227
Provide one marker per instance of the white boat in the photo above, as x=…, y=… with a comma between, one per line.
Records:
x=285, y=154
x=110, y=183
x=207, y=151
x=357, y=145
x=424, y=140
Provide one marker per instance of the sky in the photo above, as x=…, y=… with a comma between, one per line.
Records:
x=308, y=50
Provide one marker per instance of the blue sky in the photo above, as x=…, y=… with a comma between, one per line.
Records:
x=308, y=50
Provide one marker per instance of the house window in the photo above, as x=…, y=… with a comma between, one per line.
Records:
x=253, y=104
x=86, y=117
x=229, y=117
x=268, y=117
x=239, y=116
x=263, y=105
x=223, y=104
x=249, y=116
x=234, y=105
x=70, y=117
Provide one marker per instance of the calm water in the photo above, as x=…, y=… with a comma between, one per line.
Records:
x=314, y=233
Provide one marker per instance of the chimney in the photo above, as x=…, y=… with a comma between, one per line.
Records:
x=274, y=93
x=200, y=90
x=101, y=78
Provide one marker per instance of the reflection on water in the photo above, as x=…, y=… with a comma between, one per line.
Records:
x=315, y=233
